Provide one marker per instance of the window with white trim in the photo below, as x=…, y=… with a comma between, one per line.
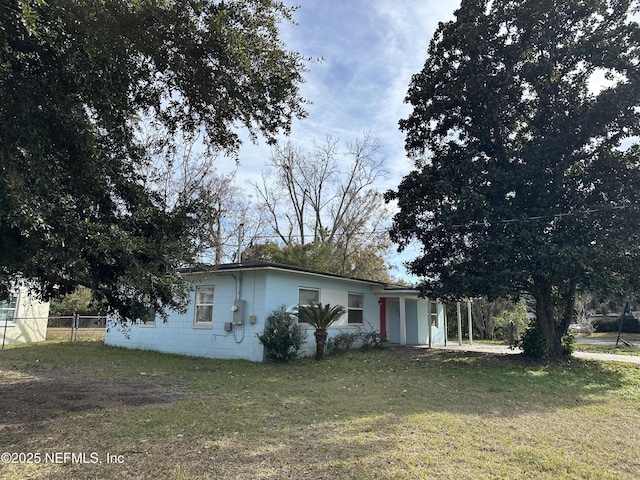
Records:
x=433, y=306
x=355, y=310
x=8, y=309
x=204, y=306
x=308, y=296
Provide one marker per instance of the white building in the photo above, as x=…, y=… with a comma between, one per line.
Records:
x=23, y=319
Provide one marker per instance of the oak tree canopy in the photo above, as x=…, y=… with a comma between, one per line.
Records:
x=524, y=130
x=77, y=82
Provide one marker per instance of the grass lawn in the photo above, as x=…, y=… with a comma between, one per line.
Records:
x=392, y=414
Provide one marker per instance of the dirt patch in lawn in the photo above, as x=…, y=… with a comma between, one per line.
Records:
x=29, y=401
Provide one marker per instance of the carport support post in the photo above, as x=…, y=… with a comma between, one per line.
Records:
x=403, y=322
x=429, y=322
x=470, y=322
x=446, y=327
x=459, y=324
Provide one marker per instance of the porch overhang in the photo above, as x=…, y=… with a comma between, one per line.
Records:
x=402, y=295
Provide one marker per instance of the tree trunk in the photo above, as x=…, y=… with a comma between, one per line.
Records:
x=547, y=324
x=553, y=330
x=321, y=341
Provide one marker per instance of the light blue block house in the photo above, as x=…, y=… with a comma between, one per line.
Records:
x=230, y=303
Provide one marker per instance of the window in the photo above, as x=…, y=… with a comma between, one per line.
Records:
x=308, y=296
x=8, y=309
x=433, y=307
x=356, y=308
x=204, y=306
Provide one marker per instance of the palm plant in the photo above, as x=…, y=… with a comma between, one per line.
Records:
x=320, y=317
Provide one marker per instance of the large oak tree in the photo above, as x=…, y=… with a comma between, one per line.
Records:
x=524, y=131
x=77, y=81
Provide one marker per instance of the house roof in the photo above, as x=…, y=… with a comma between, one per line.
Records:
x=262, y=265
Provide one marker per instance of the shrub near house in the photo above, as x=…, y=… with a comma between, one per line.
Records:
x=282, y=336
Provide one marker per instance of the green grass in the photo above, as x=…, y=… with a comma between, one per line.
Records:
x=399, y=414
x=619, y=350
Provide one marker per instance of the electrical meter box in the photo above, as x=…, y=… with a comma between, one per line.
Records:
x=238, y=312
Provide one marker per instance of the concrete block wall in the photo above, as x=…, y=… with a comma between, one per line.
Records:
x=180, y=335
x=282, y=289
x=263, y=291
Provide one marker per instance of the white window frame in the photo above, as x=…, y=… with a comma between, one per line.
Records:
x=359, y=309
x=433, y=310
x=310, y=289
x=197, y=305
x=4, y=306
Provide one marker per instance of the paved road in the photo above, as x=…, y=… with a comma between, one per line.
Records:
x=505, y=350
x=603, y=341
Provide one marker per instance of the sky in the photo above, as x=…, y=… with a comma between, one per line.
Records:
x=369, y=51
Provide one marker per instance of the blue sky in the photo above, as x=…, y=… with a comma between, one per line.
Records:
x=370, y=50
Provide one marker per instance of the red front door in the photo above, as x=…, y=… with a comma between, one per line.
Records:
x=383, y=318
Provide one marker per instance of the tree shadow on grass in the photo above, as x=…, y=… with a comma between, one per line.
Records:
x=476, y=383
x=306, y=419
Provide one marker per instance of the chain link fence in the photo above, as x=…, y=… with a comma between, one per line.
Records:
x=77, y=328
x=73, y=328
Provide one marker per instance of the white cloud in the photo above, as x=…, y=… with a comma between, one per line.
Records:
x=370, y=50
